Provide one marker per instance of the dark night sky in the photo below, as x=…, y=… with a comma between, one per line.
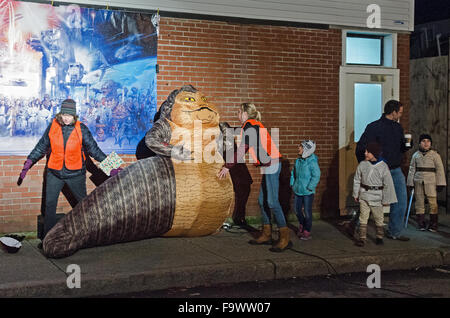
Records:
x=431, y=10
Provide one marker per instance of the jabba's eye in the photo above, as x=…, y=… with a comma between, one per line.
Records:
x=204, y=99
x=189, y=99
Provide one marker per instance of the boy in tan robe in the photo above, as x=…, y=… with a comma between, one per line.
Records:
x=373, y=188
x=426, y=173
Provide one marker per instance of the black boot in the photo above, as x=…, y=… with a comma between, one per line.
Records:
x=421, y=226
x=240, y=222
x=433, y=223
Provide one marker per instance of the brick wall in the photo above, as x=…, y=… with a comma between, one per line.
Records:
x=403, y=65
x=291, y=74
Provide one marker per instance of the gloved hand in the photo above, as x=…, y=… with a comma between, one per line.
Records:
x=26, y=166
x=440, y=188
x=114, y=172
x=409, y=188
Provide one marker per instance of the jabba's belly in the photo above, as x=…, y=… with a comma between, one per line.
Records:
x=203, y=201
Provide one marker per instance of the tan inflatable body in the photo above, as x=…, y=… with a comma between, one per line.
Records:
x=176, y=193
x=202, y=200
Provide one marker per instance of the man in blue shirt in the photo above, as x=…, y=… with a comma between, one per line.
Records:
x=389, y=133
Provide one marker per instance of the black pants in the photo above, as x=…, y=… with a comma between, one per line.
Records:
x=53, y=187
x=241, y=194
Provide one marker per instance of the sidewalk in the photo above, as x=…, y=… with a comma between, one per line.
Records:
x=162, y=263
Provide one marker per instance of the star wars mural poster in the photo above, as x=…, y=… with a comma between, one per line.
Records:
x=105, y=60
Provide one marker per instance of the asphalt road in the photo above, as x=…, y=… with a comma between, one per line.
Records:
x=422, y=282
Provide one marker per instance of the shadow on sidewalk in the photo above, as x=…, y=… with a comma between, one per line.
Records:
x=346, y=225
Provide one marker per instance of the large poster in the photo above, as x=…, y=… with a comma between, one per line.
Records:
x=105, y=60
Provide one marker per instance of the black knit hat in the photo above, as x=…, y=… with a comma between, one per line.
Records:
x=69, y=106
x=425, y=136
x=374, y=148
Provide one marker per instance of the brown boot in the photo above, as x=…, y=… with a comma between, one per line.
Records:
x=362, y=235
x=433, y=223
x=379, y=235
x=265, y=237
x=284, y=241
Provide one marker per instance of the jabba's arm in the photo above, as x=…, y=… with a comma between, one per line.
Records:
x=158, y=140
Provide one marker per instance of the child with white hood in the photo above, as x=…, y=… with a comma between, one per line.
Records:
x=304, y=179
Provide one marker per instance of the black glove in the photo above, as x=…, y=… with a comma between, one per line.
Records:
x=409, y=188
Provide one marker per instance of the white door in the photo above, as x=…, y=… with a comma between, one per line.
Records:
x=365, y=96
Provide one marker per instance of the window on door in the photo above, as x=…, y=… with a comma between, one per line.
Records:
x=368, y=106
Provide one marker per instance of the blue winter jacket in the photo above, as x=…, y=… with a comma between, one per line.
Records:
x=305, y=176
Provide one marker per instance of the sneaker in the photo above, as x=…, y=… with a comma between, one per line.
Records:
x=379, y=241
x=360, y=243
x=431, y=230
x=399, y=238
x=306, y=236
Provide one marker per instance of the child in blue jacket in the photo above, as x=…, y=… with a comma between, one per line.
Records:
x=304, y=179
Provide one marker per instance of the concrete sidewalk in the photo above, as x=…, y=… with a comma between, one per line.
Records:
x=225, y=257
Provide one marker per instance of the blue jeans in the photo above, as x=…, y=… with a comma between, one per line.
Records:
x=398, y=209
x=268, y=197
x=304, y=219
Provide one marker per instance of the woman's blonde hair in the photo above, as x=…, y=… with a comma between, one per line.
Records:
x=251, y=111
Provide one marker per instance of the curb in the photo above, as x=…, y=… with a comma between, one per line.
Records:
x=356, y=264
x=208, y=275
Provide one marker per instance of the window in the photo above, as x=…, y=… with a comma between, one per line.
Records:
x=371, y=49
x=364, y=49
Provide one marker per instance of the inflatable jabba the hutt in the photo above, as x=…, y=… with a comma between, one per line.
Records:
x=176, y=193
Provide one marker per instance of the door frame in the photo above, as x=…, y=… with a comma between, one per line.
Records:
x=344, y=71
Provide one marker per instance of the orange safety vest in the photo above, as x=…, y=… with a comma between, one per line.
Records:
x=71, y=155
x=265, y=141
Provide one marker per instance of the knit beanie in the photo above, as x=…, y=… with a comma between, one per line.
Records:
x=68, y=106
x=309, y=147
x=374, y=148
x=425, y=136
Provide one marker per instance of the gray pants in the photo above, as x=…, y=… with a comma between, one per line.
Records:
x=52, y=190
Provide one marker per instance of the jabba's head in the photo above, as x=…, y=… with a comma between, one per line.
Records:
x=186, y=105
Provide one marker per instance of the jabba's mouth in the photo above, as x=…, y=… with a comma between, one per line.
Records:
x=204, y=113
